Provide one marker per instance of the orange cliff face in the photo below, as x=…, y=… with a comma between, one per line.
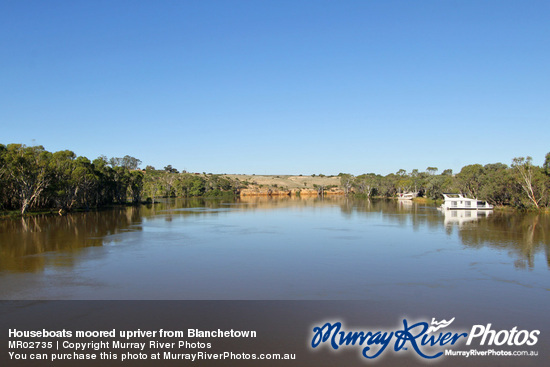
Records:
x=265, y=192
x=287, y=185
x=292, y=192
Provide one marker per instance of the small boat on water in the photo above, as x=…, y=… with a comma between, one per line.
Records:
x=459, y=201
x=406, y=196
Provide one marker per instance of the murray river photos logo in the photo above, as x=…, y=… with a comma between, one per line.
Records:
x=426, y=340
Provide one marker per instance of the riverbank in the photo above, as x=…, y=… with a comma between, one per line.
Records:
x=41, y=180
x=159, y=184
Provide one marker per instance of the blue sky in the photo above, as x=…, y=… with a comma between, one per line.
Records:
x=279, y=87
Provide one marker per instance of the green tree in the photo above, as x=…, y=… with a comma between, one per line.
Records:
x=415, y=177
x=28, y=168
x=170, y=169
x=470, y=178
x=497, y=185
x=436, y=185
x=546, y=165
x=135, y=186
x=65, y=187
x=121, y=184
x=403, y=181
x=85, y=175
x=106, y=185
x=346, y=181
x=5, y=189
x=388, y=185
x=130, y=163
x=431, y=170
x=531, y=180
x=197, y=187
x=367, y=184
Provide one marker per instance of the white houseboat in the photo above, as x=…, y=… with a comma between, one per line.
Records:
x=406, y=196
x=459, y=201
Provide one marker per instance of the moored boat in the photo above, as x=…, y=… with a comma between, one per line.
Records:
x=406, y=196
x=459, y=201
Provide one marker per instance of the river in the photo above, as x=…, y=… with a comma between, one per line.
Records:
x=280, y=266
x=279, y=249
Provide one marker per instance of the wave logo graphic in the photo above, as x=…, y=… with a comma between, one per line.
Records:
x=439, y=325
x=420, y=337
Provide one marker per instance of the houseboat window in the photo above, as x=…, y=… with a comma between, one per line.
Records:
x=454, y=204
x=468, y=204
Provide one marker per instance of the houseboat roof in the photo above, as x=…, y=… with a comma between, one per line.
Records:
x=454, y=196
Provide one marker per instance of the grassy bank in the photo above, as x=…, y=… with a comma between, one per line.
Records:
x=427, y=201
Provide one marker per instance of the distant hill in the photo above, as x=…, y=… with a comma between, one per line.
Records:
x=286, y=181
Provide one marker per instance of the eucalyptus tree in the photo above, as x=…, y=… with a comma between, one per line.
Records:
x=431, y=170
x=183, y=184
x=404, y=182
x=3, y=150
x=388, y=185
x=168, y=180
x=130, y=163
x=65, y=188
x=170, y=169
x=346, y=181
x=28, y=169
x=415, y=175
x=151, y=186
x=470, y=178
x=531, y=179
x=546, y=165
x=436, y=185
x=135, y=186
x=497, y=185
x=197, y=186
x=217, y=184
x=86, y=176
x=106, y=186
x=73, y=180
x=4, y=183
x=121, y=184
x=366, y=184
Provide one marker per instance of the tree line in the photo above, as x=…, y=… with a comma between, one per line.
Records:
x=520, y=185
x=33, y=178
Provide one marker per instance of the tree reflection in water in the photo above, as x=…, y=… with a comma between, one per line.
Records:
x=523, y=235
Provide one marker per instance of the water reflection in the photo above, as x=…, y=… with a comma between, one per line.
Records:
x=461, y=217
x=22, y=239
x=523, y=235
